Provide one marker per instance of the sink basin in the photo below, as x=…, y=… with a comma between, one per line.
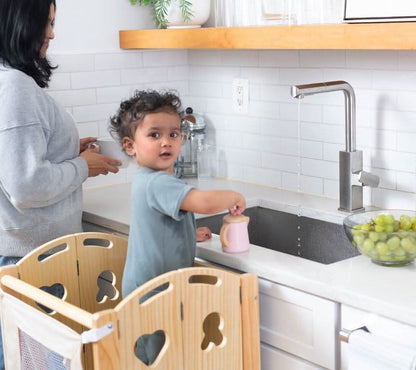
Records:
x=305, y=237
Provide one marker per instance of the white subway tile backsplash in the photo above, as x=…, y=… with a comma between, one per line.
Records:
x=406, y=142
x=280, y=162
x=96, y=112
x=319, y=168
x=331, y=151
x=323, y=132
x=88, y=129
x=279, y=128
x=406, y=182
x=263, y=176
x=73, y=62
x=370, y=59
x=82, y=80
x=262, y=146
x=178, y=73
x=113, y=94
x=407, y=60
x=276, y=93
x=204, y=58
x=392, y=160
x=311, y=149
x=297, y=76
x=394, y=80
x=240, y=58
x=60, y=81
x=331, y=189
x=143, y=75
x=213, y=73
x=394, y=199
x=260, y=75
x=74, y=97
x=357, y=78
x=279, y=58
x=166, y=58
x=379, y=139
x=322, y=58
x=116, y=61
x=205, y=89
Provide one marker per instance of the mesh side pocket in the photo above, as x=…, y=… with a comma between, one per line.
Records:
x=34, y=355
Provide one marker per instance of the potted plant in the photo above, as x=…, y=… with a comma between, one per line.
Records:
x=177, y=13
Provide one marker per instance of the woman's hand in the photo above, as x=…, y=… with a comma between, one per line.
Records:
x=84, y=142
x=203, y=233
x=99, y=164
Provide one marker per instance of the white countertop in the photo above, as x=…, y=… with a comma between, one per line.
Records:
x=388, y=291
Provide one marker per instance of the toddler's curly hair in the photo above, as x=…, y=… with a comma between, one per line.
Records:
x=132, y=111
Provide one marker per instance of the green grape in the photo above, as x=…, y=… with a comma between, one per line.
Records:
x=389, y=219
x=380, y=220
x=374, y=236
x=365, y=227
x=379, y=228
x=359, y=238
x=382, y=236
x=408, y=245
x=393, y=243
x=382, y=248
x=368, y=245
x=396, y=225
x=389, y=229
x=399, y=254
x=405, y=222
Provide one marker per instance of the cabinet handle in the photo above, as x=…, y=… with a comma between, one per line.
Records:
x=344, y=334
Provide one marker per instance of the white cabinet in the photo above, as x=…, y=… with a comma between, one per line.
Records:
x=273, y=358
x=352, y=318
x=302, y=326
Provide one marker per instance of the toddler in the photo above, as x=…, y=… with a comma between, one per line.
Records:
x=162, y=234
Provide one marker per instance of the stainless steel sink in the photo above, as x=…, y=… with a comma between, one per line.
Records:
x=305, y=237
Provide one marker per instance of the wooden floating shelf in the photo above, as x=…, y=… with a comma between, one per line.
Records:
x=365, y=36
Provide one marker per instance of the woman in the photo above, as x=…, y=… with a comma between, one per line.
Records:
x=43, y=162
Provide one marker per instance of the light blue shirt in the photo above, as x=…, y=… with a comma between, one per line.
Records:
x=162, y=237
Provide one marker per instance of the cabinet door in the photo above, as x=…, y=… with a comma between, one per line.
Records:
x=353, y=318
x=272, y=359
x=299, y=323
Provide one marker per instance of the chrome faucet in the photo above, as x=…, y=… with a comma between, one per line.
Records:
x=352, y=178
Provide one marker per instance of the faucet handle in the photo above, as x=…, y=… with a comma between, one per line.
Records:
x=368, y=179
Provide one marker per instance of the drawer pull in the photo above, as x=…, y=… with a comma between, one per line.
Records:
x=344, y=334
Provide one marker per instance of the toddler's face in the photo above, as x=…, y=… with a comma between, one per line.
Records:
x=157, y=141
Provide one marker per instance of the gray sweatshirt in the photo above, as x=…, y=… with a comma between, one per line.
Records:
x=41, y=173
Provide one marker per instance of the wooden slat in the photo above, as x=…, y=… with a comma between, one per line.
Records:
x=65, y=309
x=92, y=261
x=382, y=36
x=250, y=317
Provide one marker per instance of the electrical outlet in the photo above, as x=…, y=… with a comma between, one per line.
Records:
x=240, y=95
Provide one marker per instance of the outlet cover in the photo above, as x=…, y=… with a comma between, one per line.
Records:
x=240, y=95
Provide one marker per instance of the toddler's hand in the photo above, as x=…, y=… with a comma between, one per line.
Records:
x=239, y=206
x=203, y=233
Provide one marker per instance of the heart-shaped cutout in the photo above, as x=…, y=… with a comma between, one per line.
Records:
x=106, y=282
x=57, y=289
x=149, y=346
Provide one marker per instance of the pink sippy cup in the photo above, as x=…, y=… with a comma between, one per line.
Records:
x=234, y=234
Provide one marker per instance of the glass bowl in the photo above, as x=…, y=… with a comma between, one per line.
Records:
x=388, y=237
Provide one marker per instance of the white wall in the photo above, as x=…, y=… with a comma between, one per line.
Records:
x=260, y=147
x=87, y=26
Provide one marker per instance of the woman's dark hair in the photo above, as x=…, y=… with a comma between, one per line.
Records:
x=133, y=110
x=22, y=31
